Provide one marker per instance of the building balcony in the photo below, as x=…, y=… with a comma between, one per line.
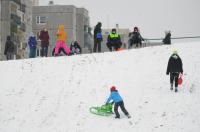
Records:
x=13, y=28
x=23, y=27
x=16, y=19
x=17, y=1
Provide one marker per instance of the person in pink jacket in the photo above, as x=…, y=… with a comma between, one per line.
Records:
x=61, y=43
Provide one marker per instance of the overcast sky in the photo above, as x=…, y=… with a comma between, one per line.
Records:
x=153, y=17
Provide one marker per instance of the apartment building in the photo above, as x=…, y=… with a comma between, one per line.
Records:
x=16, y=21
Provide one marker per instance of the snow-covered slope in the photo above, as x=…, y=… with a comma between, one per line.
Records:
x=54, y=94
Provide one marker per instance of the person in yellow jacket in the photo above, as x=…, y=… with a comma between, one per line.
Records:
x=61, y=43
x=114, y=40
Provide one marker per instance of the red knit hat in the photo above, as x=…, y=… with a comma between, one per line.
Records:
x=113, y=88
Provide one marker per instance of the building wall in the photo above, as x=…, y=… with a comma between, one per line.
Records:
x=35, y=2
x=0, y=28
x=68, y=15
x=5, y=25
x=55, y=15
x=82, y=27
x=16, y=22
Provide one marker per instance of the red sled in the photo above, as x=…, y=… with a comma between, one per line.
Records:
x=120, y=49
x=180, y=80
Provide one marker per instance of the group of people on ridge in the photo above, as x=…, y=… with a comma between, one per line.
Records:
x=44, y=37
x=60, y=46
x=114, y=42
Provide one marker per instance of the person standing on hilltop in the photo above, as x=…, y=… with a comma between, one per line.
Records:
x=9, y=49
x=98, y=38
x=44, y=37
x=61, y=43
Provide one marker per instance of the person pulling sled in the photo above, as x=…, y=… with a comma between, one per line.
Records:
x=118, y=102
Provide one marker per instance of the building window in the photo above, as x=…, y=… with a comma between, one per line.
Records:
x=41, y=20
x=23, y=8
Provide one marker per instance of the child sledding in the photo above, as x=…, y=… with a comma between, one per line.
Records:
x=106, y=109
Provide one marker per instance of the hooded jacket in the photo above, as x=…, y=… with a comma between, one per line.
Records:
x=61, y=34
x=115, y=96
x=75, y=48
x=9, y=46
x=44, y=37
x=98, y=32
x=114, y=38
x=32, y=42
x=175, y=64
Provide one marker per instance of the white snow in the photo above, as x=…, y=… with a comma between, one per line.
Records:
x=55, y=94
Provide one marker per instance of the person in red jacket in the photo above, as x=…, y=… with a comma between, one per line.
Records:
x=44, y=37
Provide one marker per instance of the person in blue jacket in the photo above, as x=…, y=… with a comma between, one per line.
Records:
x=117, y=99
x=32, y=42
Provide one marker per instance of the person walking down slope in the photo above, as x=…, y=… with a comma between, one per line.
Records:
x=44, y=37
x=98, y=38
x=174, y=68
x=32, y=42
x=9, y=49
x=114, y=40
x=117, y=99
x=61, y=43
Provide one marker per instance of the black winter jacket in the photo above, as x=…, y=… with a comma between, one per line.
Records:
x=136, y=37
x=96, y=31
x=75, y=48
x=9, y=47
x=167, y=39
x=175, y=64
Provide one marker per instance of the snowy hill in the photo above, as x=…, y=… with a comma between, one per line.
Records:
x=54, y=94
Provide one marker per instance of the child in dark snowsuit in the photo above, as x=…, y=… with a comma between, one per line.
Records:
x=175, y=68
x=75, y=48
x=117, y=99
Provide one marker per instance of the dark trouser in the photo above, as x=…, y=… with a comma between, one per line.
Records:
x=109, y=46
x=60, y=50
x=139, y=44
x=97, y=45
x=44, y=51
x=121, y=105
x=9, y=56
x=116, y=46
x=174, y=78
x=32, y=53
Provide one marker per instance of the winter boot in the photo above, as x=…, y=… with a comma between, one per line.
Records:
x=171, y=87
x=128, y=116
x=117, y=117
x=176, y=89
